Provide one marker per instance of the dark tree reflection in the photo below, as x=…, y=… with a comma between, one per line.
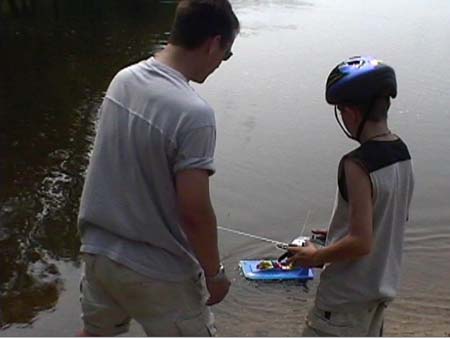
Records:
x=56, y=60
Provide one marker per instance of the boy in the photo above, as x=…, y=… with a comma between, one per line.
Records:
x=363, y=252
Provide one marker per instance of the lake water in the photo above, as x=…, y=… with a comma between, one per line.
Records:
x=277, y=152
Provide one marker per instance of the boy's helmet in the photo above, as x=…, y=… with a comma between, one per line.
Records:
x=360, y=79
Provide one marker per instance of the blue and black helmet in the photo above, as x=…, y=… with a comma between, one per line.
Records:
x=360, y=79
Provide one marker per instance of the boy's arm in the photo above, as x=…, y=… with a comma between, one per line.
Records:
x=358, y=242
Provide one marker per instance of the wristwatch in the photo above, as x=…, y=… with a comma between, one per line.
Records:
x=218, y=276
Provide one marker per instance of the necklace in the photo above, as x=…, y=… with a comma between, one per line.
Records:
x=386, y=133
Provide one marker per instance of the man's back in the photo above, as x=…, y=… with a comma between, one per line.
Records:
x=152, y=124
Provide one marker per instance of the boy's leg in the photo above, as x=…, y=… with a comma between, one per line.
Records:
x=314, y=327
x=308, y=331
x=364, y=322
x=101, y=315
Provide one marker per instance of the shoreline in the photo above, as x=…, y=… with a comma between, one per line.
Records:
x=64, y=318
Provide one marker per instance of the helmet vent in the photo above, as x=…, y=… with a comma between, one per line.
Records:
x=356, y=63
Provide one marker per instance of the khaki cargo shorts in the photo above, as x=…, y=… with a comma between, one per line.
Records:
x=112, y=294
x=367, y=322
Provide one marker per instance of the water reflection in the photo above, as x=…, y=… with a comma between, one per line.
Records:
x=264, y=4
x=56, y=59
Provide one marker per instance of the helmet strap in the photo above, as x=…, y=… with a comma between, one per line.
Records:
x=364, y=120
x=361, y=127
x=346, y=132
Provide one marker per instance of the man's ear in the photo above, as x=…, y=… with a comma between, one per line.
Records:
x=214, y=44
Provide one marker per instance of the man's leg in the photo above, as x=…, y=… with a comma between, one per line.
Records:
x=169, y=308
x=162, y=308
x=376, y=324
x=101, y=315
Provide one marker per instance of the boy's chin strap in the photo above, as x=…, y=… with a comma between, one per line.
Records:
x=346, y=132
x=363, y=123
x=360, y=127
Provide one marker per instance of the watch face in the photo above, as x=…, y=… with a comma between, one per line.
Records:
x=219, y=275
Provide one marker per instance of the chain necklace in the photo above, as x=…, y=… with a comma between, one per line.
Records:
x=386, y=133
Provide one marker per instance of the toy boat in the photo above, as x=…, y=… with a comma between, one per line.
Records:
x=255, y=270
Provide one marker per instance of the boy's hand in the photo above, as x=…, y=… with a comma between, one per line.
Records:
x=319, y=236
x=304, y=256
x=320, y=232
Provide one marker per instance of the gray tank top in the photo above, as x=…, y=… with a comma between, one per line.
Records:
x=375, y=277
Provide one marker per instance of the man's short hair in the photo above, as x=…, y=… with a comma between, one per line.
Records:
x=197, y=20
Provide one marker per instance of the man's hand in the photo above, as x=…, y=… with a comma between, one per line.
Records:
x=218, y=289
x=304, y=256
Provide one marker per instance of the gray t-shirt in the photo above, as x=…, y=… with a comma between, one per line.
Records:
x=152, y=125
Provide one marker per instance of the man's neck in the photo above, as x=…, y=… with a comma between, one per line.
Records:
x=182, y=60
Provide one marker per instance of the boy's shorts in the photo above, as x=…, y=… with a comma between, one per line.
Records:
x=366, y=322
x=112, y=294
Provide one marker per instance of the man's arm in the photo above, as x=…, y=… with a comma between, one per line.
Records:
x=358, y=242
x=200, y=227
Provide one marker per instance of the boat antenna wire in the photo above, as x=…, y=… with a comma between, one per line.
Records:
x=264, y=239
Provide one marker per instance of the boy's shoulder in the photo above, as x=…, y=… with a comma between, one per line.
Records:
x=375, y=155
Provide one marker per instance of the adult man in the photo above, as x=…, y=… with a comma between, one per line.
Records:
x=147, y=227
x=375, y=185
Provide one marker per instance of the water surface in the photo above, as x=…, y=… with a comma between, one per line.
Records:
x=277, y=152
